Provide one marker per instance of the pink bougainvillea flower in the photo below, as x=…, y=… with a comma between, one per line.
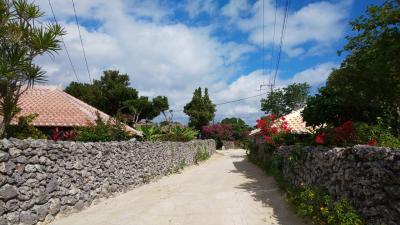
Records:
x=320, y=139
x=372, y=142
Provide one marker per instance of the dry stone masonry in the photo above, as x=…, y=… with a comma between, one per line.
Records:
x=40, y=179
x=369, y=177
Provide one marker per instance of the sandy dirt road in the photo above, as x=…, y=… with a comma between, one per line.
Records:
x=225, y=190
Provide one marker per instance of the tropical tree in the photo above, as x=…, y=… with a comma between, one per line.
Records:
x=107, y=94
x=161, y=104
x=367, y=84
x=87, y=93
x=200, y=109
x=22, y=39
x=113, y=95
x=283, y=101
x=140, y=108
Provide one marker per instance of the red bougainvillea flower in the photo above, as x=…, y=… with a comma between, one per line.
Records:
x=320, y=139
x=272, y=126
x=268, y=139
x=274, y=130
x=372, y=142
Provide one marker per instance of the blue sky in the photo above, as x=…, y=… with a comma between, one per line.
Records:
x=171, y=47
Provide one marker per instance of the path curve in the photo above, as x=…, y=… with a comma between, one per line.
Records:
x=225, y=190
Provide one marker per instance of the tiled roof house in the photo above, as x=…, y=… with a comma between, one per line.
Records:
x=56, y=108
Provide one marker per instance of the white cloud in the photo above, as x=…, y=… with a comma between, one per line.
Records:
x=320, y=23
x=234, y=8
x=248, y=85
x=163, y=57
x=195, y=7
x=315, y=75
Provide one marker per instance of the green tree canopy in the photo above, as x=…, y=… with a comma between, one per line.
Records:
x=283, y=101
x=200, y=109
x=22, y=38
x=113, y=95
x=367, y=84
x=106, y=94
x=161, y=104
x=240, y=128
x=141, y=108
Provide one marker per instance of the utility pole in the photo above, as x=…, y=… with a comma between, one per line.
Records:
x=269, y=86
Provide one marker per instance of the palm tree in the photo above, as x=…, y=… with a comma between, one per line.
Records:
x=22, y=38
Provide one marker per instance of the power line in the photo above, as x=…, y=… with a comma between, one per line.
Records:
x=241, y=99
x=232, y=101
x=273, y=41
x=263, y=40
x=282, y=38
x=80, y=37
x=269, y=85
x=65, y=46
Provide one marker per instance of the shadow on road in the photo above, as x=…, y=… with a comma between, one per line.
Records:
x=264, y=189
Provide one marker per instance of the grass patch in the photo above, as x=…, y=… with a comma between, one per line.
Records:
x=201, y=155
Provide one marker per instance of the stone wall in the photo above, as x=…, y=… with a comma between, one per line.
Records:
x=369, y=177
x=39, y=178
x=228, y=145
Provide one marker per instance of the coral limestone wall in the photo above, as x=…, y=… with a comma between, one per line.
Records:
x=39, y=178
x=369, y=177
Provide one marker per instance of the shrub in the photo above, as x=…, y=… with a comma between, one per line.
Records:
x=218, y=132
x=150, y=133
x=58, y=134
x=168, y=133
x=376, y=135
x=309, y=202
x=239, y=127
x=343, y=135
x=102, y=131
x=321, y=209
x=178, y=133
x=350, y=133
x=24, y=129
x=201, y=155
x=272, y=128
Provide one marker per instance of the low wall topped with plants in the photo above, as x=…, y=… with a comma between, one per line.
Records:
x=40, y=179
x=366, y=177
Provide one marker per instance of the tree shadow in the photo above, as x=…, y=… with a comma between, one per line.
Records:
x=263, y=188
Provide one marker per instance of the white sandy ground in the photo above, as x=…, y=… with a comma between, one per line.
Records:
x=225, y=190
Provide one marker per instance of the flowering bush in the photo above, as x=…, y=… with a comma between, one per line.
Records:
x=271, y=128
x=59, y=134
x=350, y=133
x=320, y=138
x=344, y=134
x=376, y=135
x=338, y=136
x=218, y=131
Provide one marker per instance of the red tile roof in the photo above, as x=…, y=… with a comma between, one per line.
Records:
x=56, y=108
